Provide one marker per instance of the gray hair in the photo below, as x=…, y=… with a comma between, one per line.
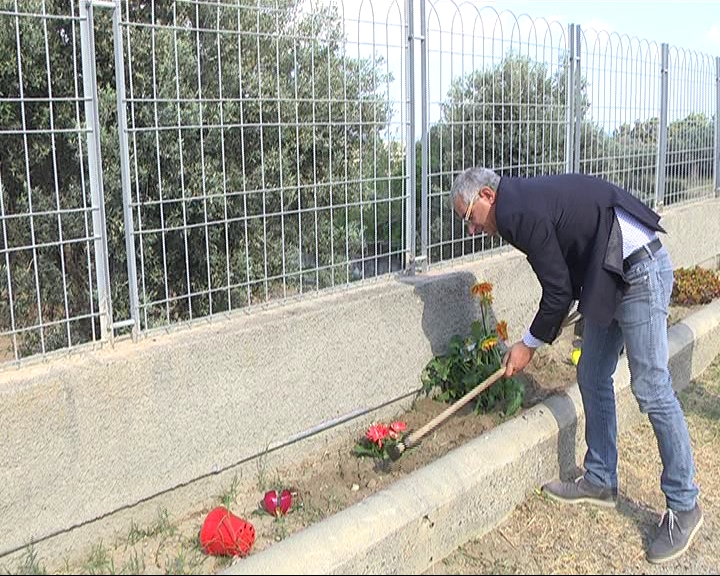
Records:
x=471, y=181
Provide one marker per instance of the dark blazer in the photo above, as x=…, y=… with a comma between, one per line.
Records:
x=566, y=226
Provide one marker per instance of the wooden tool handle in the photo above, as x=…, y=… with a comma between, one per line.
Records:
x=445, y=414
x=412, y=438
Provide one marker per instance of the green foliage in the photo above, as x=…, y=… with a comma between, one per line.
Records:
x=257, y=162
x=695, y=286
x=227, y=498
x=162, y=525
x=512, y=114
x=686, y=137
x=484, y=112
x=99, y=560
x=365, y=448
x=28, y=564
x=472, y=359
x=689, y=160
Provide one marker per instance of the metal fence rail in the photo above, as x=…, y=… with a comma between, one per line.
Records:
x=168, y=160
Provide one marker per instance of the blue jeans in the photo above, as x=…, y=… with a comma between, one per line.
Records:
x=640, y=324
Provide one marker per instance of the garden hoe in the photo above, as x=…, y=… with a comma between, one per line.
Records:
x=410, y=440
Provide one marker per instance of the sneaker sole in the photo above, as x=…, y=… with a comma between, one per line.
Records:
x=682, y=550
x=593, y=501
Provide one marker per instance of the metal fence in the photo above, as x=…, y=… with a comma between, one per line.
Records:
x=163, y=161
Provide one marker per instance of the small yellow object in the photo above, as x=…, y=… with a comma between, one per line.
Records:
x=575, y=356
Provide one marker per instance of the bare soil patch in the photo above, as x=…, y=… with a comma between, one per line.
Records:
x=322, y=487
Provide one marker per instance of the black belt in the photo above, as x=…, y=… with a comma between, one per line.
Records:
x=641, y=254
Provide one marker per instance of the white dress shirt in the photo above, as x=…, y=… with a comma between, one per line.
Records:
x=634, y=235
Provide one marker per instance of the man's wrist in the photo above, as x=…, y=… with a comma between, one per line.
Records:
x=530, y=341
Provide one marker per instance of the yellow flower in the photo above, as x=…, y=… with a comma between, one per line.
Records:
x=501, y=329
x=489, y=343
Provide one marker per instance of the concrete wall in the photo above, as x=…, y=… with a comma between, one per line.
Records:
x=114, y=433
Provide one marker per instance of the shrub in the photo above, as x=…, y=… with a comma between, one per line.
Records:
x=471, y=360
x=695, y=286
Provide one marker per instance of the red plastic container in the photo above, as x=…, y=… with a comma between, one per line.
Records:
x=224, y=534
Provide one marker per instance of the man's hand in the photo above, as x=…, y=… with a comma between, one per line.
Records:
x=517, y=358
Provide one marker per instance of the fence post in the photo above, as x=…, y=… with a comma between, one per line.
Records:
x=577, y=100
x=424, y=150
x=125, y=178
x=410, y=176
x=92, y=120
x=662, y=125
x=570, y=104
x=717, y=126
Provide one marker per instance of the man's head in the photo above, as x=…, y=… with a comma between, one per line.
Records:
x=473, y=197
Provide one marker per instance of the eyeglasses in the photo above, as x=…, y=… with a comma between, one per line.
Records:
x=466, y=218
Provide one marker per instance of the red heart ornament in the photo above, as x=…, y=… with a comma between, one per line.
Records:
x=277, y=504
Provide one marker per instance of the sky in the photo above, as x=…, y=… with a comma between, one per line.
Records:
x=689, y=25
x=620, y=50
x=693, y=25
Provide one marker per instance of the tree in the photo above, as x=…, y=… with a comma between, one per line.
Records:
x=688, y=160
x=690, y=149
x=511, y=117
x=255, y=154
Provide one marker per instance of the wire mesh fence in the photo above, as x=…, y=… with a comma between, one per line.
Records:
x=501, y=102
x=169, y=160
x=528, y=96
x=262, y=163
x=48, y=258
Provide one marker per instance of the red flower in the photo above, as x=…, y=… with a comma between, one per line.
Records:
x=377, y=439
x=395, y=429
x=277, y=504
x=377, y=433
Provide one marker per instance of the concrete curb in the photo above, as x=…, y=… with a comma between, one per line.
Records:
x=425, y=516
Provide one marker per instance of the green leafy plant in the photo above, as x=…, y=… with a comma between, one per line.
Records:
x=695, y=286
x=377, y=439
x=471, y=360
